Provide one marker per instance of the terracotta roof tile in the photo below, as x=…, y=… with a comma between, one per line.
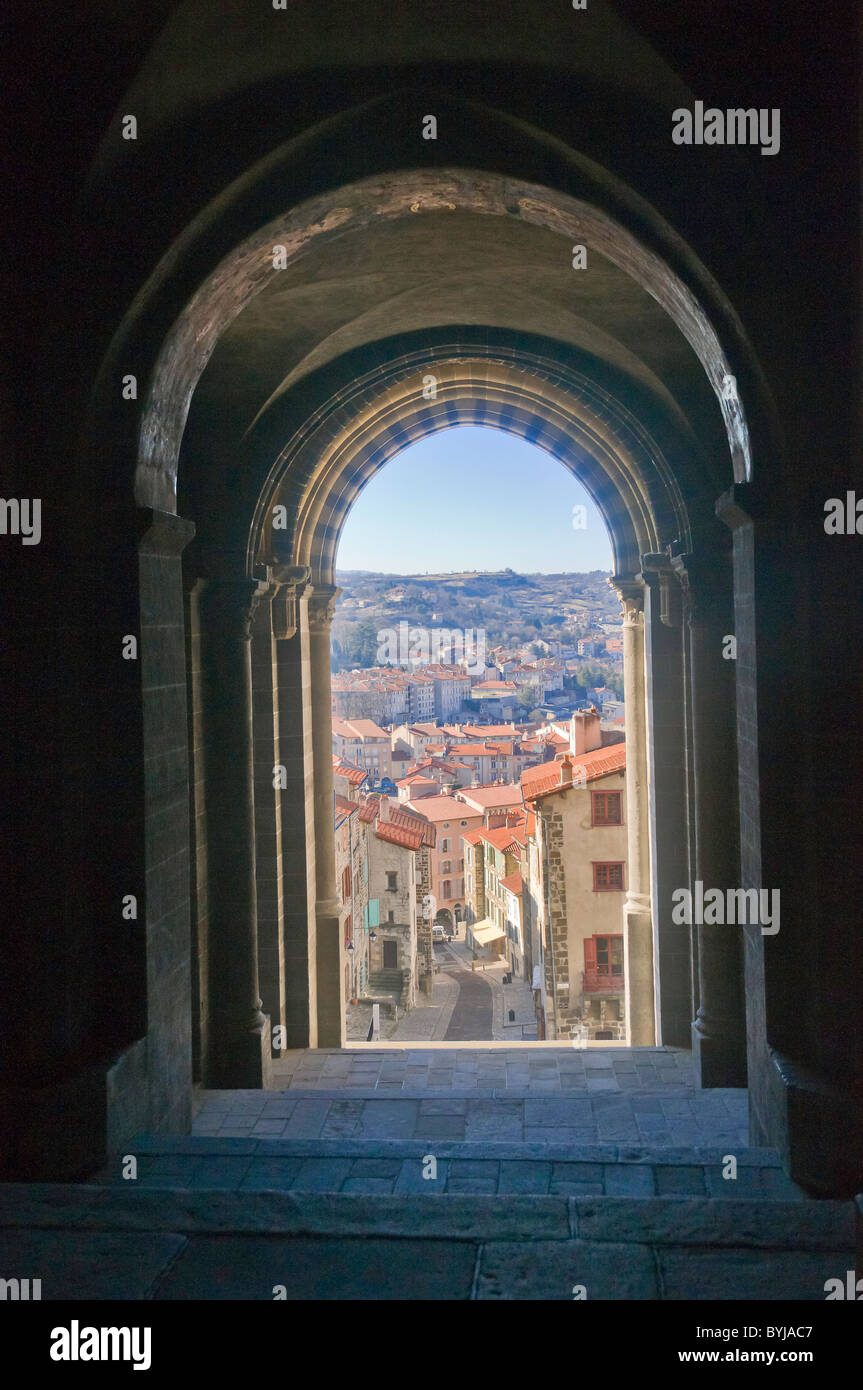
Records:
x=513, y=882
x=544, y=779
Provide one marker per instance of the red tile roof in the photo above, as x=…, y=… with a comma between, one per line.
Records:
x=504, y=794
x=513, y=882
x=354, y=774
x=503, y=838
x=586, y=767
x=444, y=808
x=395, y=834
x=399, y=816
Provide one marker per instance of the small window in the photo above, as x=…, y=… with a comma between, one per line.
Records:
x=391, y=916
x=606, y=808
x=608, y=878
x=392, y=882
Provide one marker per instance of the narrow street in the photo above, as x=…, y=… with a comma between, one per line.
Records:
x=472, y=1019
x=465, y=1005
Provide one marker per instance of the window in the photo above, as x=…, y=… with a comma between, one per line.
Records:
x=603, y=956
x=346, y=884
x=608, y=878
x=446, y=867
x=444, y=844
x=605, y=808
x=446, y=890
x=392, y=882
x=391, y=916
x=349, y=928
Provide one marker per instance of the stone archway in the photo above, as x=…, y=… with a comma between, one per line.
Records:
x=254, y=590
x=310, y=488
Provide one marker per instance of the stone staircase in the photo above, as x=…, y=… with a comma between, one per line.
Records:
x=387, y=982
x=210, y=1218
x=446, y=1173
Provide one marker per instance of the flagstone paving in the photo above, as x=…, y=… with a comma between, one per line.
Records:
x=559, y=1095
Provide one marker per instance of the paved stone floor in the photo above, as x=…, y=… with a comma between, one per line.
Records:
x=551, y=1095
x=196, y=1242
x=384, y=1166
x=553, y=1167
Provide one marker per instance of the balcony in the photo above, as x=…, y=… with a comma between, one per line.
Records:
x=598, y=981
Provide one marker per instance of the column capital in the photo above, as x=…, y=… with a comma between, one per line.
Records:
x=630, y=591
x=699, y=585
x=163, y=533
x=287, y=583
x=322, y=607
x=229, y=605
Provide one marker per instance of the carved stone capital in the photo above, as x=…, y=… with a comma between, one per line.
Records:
x=699, y=587
x=322, y=607
x=229, y=605
x=630, y=591
x=290, y=582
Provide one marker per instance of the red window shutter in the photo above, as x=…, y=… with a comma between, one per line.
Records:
x=590, y=953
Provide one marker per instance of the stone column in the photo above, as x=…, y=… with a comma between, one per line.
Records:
x=238, y=1054
x=719, y=1028
x=637, y=918
x=268, y=794
x=329, y=946
x=669, y=831
x=293, y=662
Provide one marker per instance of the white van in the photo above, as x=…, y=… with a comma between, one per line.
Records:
x=438, y=933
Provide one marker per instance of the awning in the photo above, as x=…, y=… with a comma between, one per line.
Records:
x=486, y=931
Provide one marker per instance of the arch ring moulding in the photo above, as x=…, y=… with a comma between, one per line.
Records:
x=188, y=346
x=569, y=417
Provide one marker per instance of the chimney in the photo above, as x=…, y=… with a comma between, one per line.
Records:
x=384, y=807
x=585, y=733
x=566, y=772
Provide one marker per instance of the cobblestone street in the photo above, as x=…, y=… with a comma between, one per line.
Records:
x=465, y=1005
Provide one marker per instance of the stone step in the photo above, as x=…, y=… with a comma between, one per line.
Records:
x=401, y=1165
x=98, y=1241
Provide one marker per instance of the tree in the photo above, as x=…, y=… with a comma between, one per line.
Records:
x=360, y=644
x=527, y=697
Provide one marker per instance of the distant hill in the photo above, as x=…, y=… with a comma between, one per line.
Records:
x=510, y=608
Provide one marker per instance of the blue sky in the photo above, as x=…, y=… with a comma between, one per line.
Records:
x=473, y=498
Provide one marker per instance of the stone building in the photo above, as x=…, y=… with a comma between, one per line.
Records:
x=398, y=848
x=352, y=879
x=495, y=856
x=581, y=865
x=451, y=817
x=365, y=743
